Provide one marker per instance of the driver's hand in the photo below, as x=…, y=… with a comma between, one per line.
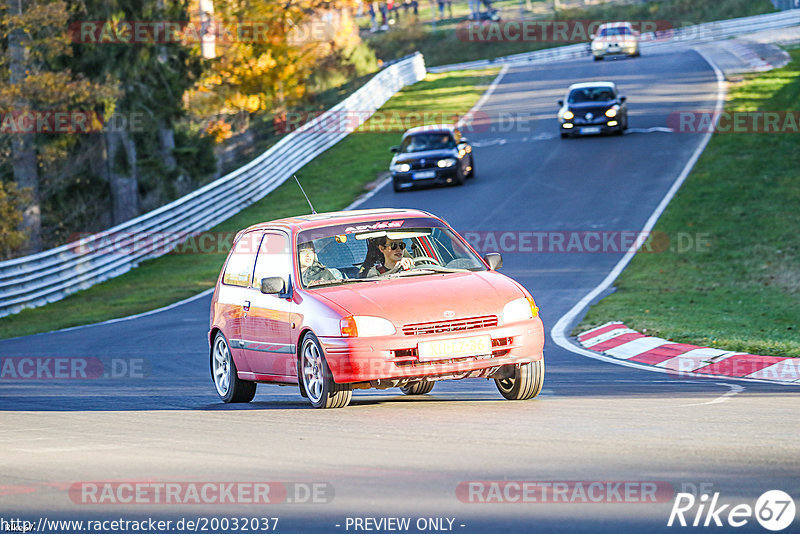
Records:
x=406, y=263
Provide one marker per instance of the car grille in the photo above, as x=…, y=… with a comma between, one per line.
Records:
x=455, y=325
x=430, y=163
x=598, y=117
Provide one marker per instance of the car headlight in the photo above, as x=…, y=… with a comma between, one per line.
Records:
x=401, y=167
x=520, y=310
x=365, y=326
x=568, y=115
x=597, y=45
x=612, y=112
x=447, y=162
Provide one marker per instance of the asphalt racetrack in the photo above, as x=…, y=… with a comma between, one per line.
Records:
x=392, y=456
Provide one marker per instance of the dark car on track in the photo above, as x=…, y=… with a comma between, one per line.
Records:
x=593, y=108
x=431, y=155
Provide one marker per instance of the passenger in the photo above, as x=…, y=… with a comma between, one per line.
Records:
x=312, y=271
x=392, y=257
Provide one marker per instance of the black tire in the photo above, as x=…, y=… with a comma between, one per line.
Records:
x=229, y=386
x=564, y=135
x=418, y=388
x=526, y=383
x=471, y=167
x=598, y=58
x=396, y=186
x=316, y=378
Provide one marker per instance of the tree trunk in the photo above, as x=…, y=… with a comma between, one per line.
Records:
x=122, y=175
x=166, y=138
x=23, y=146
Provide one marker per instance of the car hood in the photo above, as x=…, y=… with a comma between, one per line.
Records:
x=588, y=106
x=426, y=298
x=427, y=154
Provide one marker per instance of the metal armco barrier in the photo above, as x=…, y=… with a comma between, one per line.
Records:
x=51, y=275
x=686, y=35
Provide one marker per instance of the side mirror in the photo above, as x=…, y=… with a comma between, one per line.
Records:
x=394, y=149
x=561, y=103
x=592, y=36
x=622, y=99
x=494, y=260
x=272, y=285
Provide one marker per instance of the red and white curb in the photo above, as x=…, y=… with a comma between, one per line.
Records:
x=618, y=341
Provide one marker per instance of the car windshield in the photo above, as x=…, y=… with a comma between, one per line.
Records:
x=590, y=94
x=350, y=253
x=615, y=32
x=427, y=141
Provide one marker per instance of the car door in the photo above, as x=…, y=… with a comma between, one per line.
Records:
x=234, y=292
x=267, y=326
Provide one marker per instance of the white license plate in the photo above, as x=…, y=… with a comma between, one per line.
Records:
x=454, y=348
x=590, y=130
x=423, y=174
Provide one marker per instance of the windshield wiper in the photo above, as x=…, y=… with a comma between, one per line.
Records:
x=429, y=268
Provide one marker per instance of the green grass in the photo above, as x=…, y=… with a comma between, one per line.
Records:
x=442, y=46
x=742, y=291
x=332, y=181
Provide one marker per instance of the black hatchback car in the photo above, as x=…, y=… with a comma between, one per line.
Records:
x=593, y=108
x=431, y=155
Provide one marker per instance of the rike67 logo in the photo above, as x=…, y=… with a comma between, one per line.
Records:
x=774, y=510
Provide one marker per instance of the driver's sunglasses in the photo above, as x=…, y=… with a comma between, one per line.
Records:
x=394, y=246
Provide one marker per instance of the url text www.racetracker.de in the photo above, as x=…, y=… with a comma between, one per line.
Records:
x=146, y=525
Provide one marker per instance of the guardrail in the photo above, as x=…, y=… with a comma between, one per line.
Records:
x=51, y=275
x=689, y=35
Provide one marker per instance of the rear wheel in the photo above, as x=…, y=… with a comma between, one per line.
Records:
x=317, y=379
x=223, y=371
x=525, y=383
x=418, y=388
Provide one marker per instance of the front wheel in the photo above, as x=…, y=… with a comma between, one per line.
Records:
x=526, y=382
x=317, y=379
x=418, y=388
x=223, y=371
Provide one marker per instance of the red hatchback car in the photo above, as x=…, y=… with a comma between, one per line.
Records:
x=364, y=299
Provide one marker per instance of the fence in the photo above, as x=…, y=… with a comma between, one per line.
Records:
x=51, y=275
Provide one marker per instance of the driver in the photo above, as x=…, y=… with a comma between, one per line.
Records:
x=393, y=257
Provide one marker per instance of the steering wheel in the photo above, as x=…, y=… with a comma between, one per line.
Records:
x=425, y=259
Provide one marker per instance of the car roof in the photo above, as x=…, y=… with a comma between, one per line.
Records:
x=431, y=128
x=584, y=85
x=615, y=25
x=316, y=220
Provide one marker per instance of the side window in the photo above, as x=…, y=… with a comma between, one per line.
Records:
x=239, y=269
x=274, y=258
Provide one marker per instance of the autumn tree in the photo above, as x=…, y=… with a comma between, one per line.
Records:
x=34, y=78
x=266, y=54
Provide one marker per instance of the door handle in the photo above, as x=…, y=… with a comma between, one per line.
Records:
x=246, y=305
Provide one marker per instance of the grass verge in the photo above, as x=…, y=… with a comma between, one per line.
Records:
x=333, y=180
x=444, y=45
x=740, y=289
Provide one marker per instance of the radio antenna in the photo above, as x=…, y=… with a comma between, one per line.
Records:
x=313, y=211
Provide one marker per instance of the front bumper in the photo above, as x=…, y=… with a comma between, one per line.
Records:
x=594, y=127
x=440, y=176
x=394, y=357
x=615, y=51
